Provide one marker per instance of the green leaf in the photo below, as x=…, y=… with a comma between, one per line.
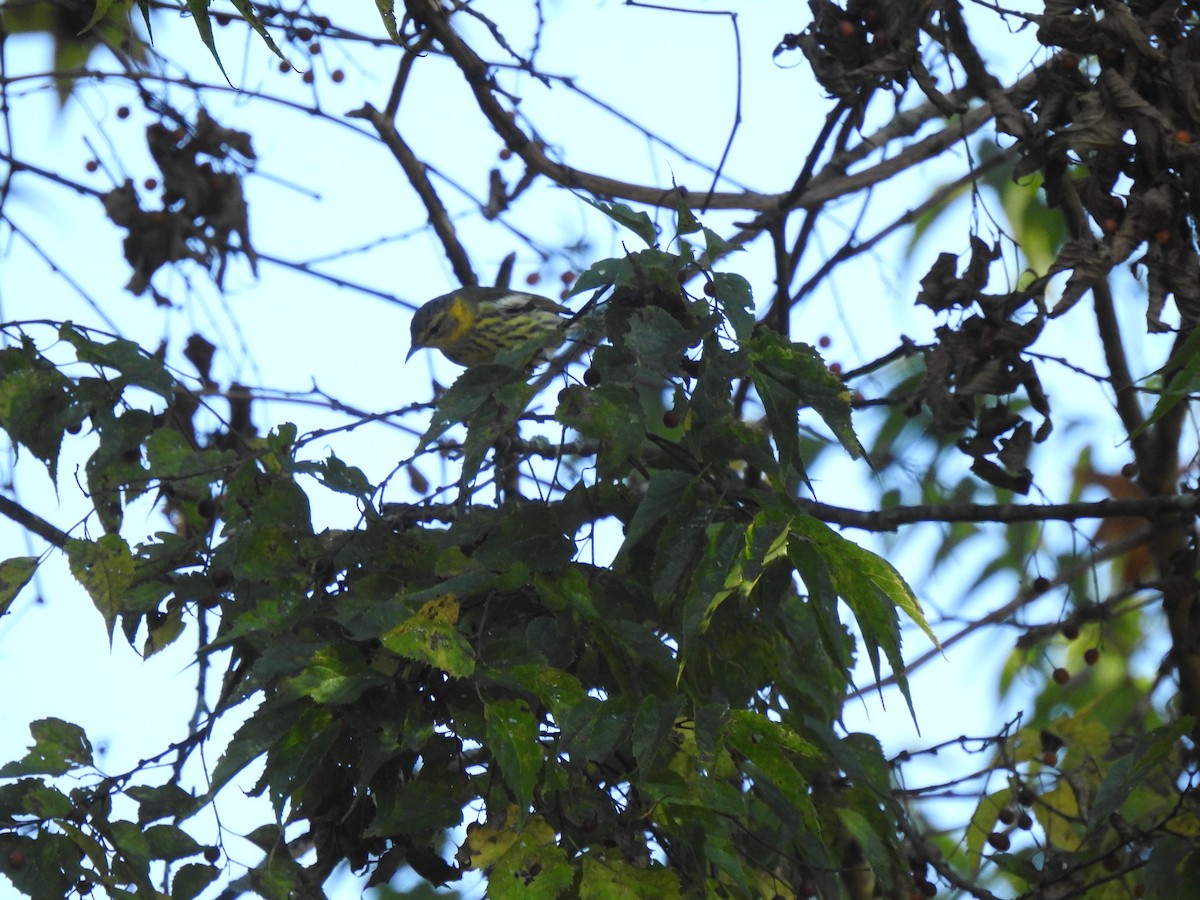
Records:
x=58, y=748
x=1169, y=857
x=627, y=217
x=772, y=748
x=611, y=414
x=137, y=367
x=607, y=877
x=15, y=573
x=34, y=402
x=869, y=585
x=336, y=675
x=659, y=498
x=387, y=12
x=530, y=536
x=1131, y=770
x=102, y=7
x=170, y=843
x=199, y=11
x=512, y=737
x=191, y=880
x=248, y=13
x=789, y=376
x=161, y=802
x=430, y=636
x=488, y=399
x=105, y=568
x=736, y=297
x=337, y=476
x=1184, y=366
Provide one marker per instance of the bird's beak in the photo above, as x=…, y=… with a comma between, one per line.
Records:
x=411, y=350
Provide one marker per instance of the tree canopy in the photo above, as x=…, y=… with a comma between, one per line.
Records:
x=889, y=377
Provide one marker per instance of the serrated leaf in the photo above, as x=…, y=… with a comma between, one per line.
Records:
x=1130, y=770
x=58, y=747
x=530, y=536
x=248, y=13
x=191, y=880
x=199, y=11
x=659, y=498
x=1057, y=811
x=612, y=414
x=870, y=586
x=102, y=7
x=606, y=877
x=770, y=747
x=789, y=376
x=105, y=568
x=15, y=573
x=387, y=12
x=127, y=357
x=1184, y=366
x=430, y=636
x=736, y=298
x=512, y=737
x=627, y=217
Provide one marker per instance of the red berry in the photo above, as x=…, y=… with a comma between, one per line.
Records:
x=150, y=183
x=533, y=278
x=16, y=858
x=314, y=48
x=92, y=165
x=671, y=419
x=591, y=377
x=1183, y=136
x=1049, y=758
x=505, y=153
x=285, y=66
x=1162, y=236
x=1061, y=675
x=1070, y=631
x=122, y=112
x=1109, y=225
x=1006, y=816
x=847, y=29
x=567, y=277
x=308, y=77
x=835, y=368
x=1091, y=655
x=1068, y=61
x=1024, y=821
x=337, y=76
x=824, y=341
x=1041, y=584
x=211, y=854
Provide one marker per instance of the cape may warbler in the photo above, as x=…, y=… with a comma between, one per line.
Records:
x=473, y=324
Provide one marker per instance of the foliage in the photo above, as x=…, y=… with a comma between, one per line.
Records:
x=457, y=684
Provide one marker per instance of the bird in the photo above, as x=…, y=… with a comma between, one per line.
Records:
x=472, y=325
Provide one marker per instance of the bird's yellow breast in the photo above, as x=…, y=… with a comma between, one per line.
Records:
x=463, y=317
